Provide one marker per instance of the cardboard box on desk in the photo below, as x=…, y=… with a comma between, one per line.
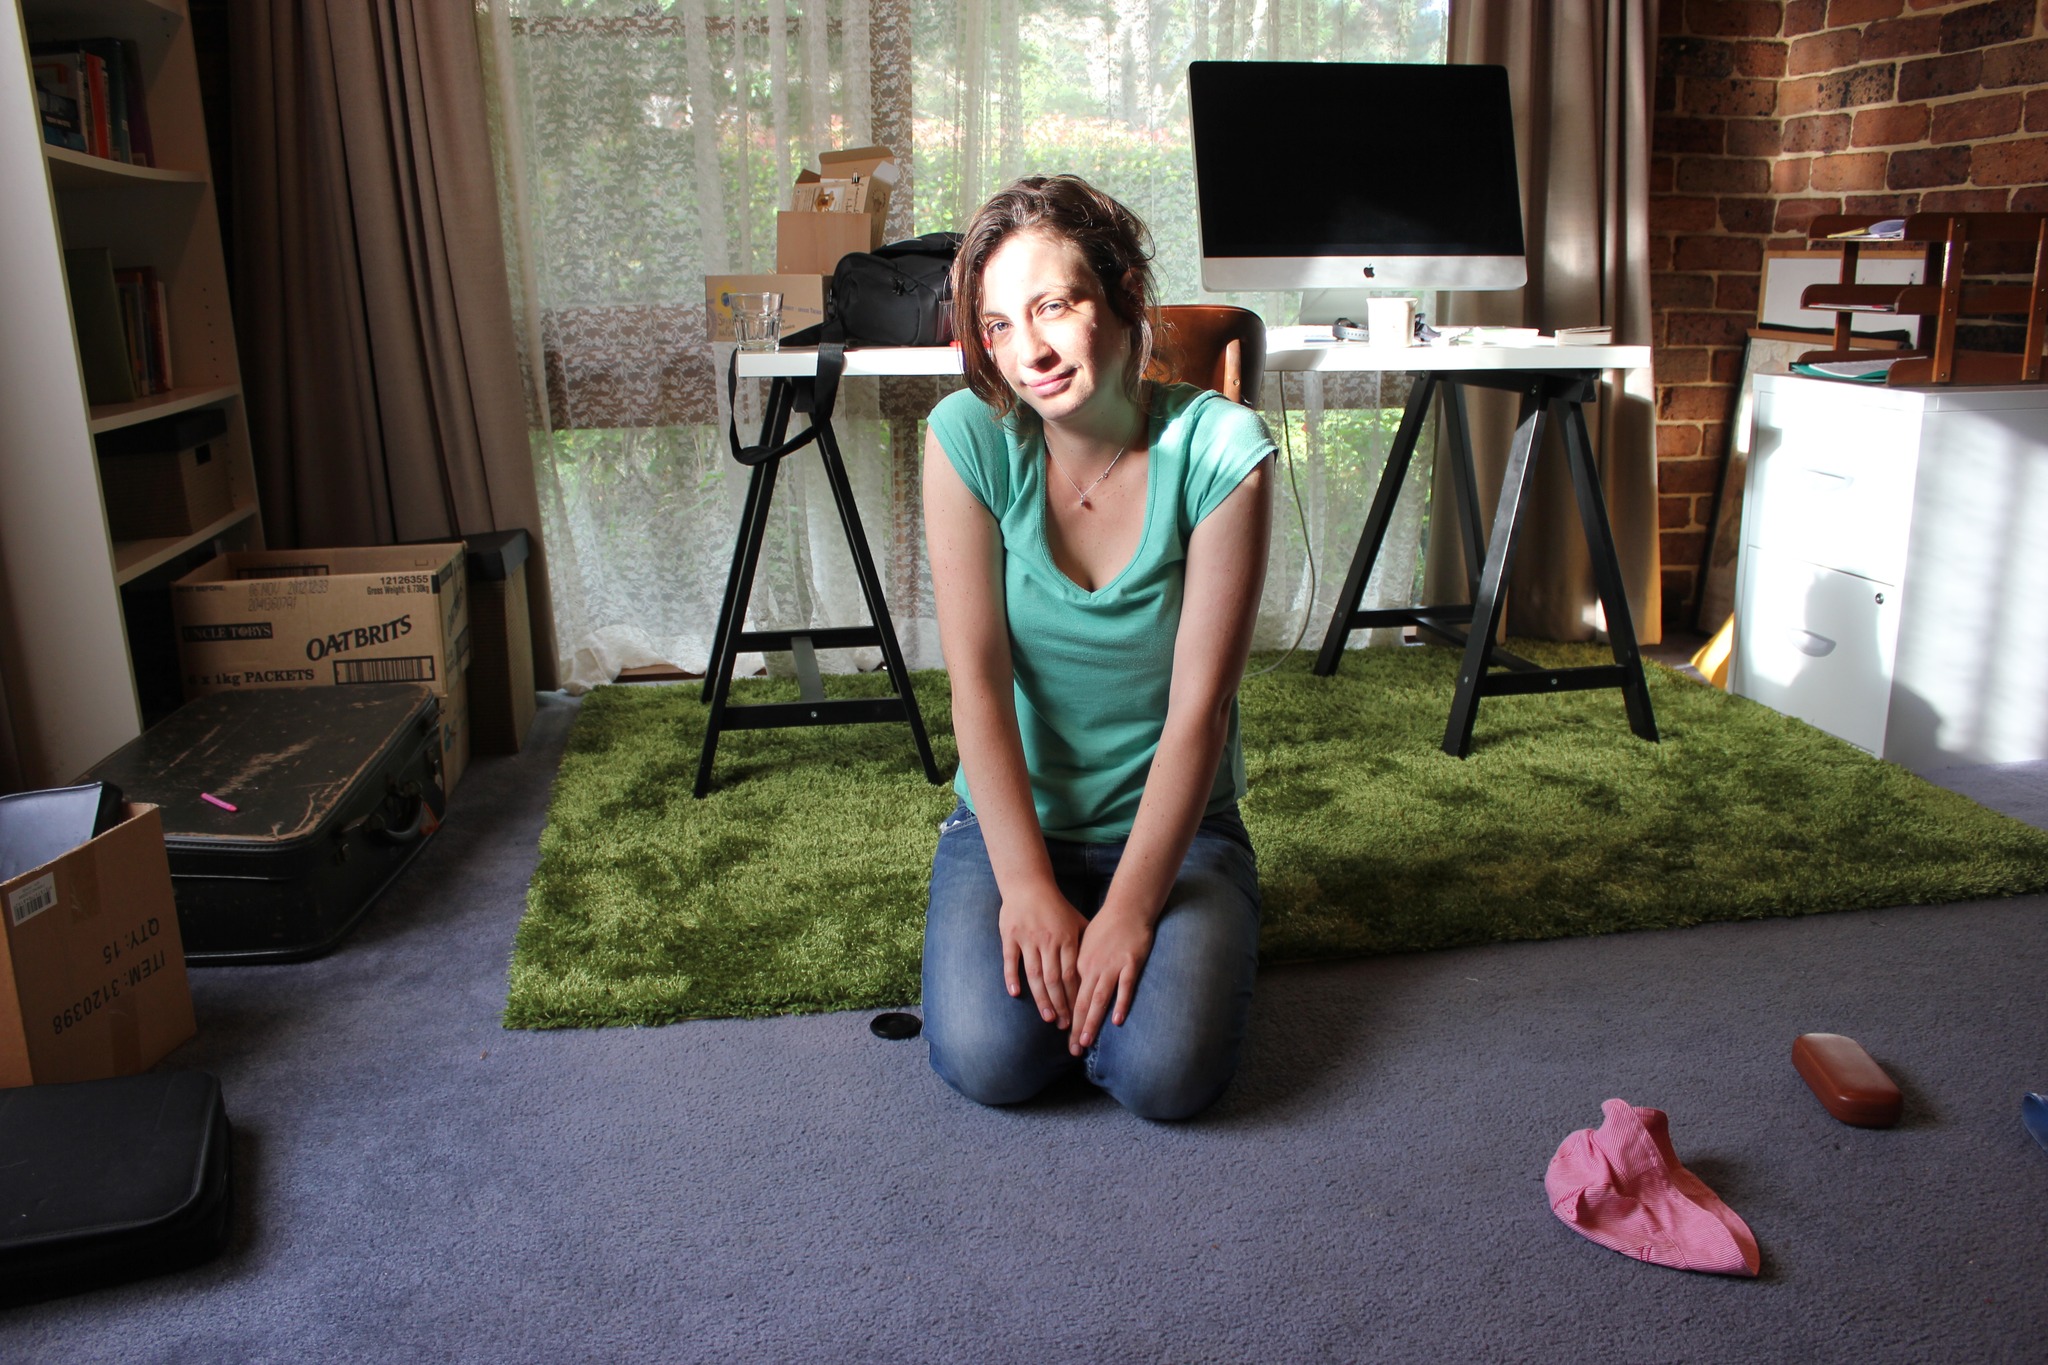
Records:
x=809, y=242
x=812, y=243
x=333, y=617
x=803, y=300
x=836, y=196
x=92, y=970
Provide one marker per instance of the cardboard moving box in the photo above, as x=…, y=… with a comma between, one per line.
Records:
x=92, y=970
x=808, y=242
x=334, y=617
x=803, y=300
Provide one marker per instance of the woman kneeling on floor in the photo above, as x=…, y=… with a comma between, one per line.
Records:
x=1098, y=546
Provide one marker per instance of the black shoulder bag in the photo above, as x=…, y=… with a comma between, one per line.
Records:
x=897, y=295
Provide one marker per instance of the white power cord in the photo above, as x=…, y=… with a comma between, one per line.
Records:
x=1307, y=549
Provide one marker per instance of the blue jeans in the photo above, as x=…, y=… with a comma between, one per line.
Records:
x=1178, y=1047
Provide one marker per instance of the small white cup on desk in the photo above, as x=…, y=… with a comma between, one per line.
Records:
x=1390, y=321
x=757, y=321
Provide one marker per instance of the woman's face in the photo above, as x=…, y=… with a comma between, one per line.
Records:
x=1050, y=330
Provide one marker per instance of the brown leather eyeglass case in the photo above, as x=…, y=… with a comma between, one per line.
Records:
x=1849, y=1084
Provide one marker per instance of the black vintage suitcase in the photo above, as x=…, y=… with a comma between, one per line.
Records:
x=286, y=810
x=106, y=1181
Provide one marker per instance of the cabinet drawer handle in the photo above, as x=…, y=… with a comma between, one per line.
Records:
x=1819, y=646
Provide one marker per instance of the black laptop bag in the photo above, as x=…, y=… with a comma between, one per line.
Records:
x=108, y=1181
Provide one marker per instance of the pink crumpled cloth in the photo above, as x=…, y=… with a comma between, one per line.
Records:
x=1621, y=1185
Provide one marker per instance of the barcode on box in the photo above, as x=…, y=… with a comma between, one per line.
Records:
x=31, y=900
x=414, y=668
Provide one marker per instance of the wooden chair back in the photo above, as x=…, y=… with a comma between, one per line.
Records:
x=1213, y=345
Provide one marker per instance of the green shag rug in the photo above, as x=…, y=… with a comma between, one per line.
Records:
x=799, y=884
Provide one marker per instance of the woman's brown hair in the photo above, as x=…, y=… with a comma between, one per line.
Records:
x=1116, y=246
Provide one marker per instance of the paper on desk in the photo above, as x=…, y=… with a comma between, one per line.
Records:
x=1862, y=371
x=1502, y=336
x=1884, y=230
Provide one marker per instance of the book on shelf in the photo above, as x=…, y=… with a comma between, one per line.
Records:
x=96, y=318
x=105, y=79
x=142, y=315
x=93, y=78
x=62, y=101
x=160, y=335
x=123, y=326
x=113, y=71
x=141, y=147
x=133, y=327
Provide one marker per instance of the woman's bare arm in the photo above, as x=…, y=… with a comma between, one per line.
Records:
x=1041, y=929
x=1226, y=571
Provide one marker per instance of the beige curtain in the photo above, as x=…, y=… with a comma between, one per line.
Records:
x=1580, y=74
x=11, y=778
x=382, y=380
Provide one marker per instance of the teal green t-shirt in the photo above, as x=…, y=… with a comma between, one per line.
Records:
x=1093, y=669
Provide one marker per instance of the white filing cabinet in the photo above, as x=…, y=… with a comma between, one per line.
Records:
x=1893, y=578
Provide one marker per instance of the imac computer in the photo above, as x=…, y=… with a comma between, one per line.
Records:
x=1338, y=178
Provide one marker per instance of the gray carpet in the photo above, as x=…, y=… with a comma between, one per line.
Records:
x=418, y=1184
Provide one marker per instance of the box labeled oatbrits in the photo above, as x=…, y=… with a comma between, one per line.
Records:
x=332, y=618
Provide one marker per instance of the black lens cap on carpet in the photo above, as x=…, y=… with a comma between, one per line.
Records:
x=895, y=1026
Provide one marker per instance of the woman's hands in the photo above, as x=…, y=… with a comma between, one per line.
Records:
x=1113, y=953
x=1042, y=934
x=1078, y=971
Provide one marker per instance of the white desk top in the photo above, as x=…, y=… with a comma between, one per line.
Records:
x=1286, y=351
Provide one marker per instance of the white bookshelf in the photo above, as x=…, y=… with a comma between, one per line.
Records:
x=70, y=687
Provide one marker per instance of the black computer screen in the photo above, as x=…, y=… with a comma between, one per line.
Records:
x=1307, y=159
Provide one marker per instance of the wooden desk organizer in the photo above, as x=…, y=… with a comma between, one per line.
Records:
x=1945, y=236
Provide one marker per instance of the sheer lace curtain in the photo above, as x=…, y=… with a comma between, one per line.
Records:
x=643, y=145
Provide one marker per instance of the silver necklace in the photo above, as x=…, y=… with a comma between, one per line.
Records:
x=1084, y=492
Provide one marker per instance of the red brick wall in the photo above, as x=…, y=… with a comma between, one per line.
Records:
x=1770, y=112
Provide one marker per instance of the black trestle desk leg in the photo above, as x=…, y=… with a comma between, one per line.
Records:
x=1488, y=606
x=1376, y=521
x=774, y=423
x=760, y=494
x=1621, y=633
x=719, y=663
x=871, y=589
x=1464, y=482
